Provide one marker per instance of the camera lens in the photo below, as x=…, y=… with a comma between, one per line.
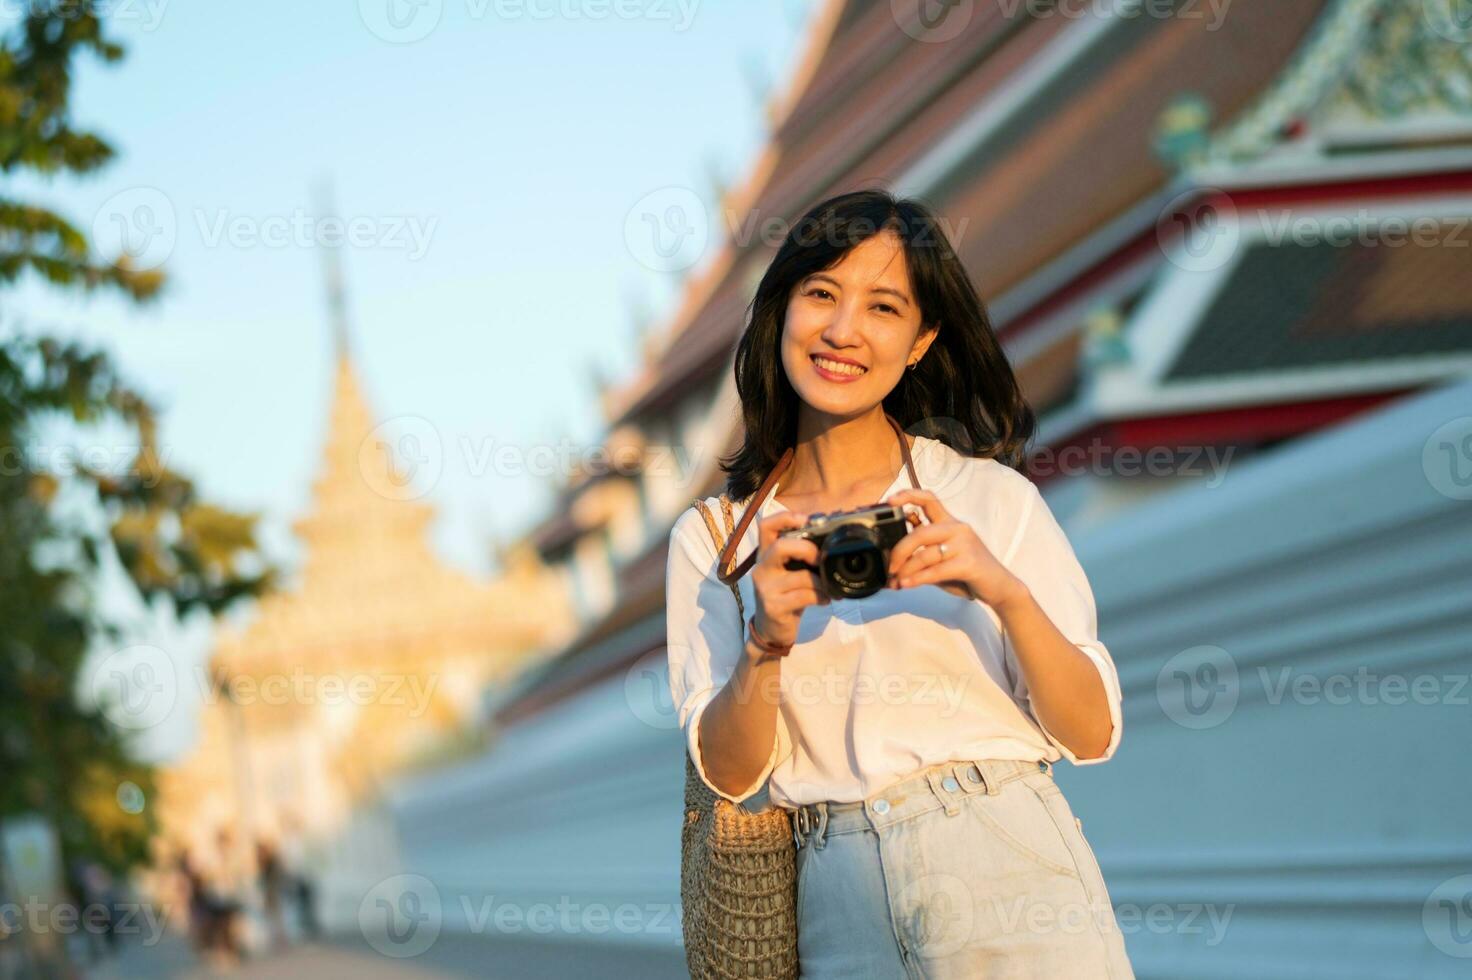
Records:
x=852, y=562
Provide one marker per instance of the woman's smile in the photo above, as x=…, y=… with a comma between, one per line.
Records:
x=841, y=372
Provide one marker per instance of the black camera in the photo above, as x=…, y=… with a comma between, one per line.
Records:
x=853, y=548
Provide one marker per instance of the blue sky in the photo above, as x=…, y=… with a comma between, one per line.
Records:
x=489, y=165
x=514, y=139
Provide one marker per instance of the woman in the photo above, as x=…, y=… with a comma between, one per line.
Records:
x=911, y=732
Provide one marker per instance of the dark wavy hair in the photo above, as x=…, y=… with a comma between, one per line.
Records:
x=963, y=392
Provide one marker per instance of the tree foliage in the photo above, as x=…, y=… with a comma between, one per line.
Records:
x=60, y=755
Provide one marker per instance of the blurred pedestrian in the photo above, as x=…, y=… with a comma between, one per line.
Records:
x=272, y=877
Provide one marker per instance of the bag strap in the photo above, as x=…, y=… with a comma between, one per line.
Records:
x=725, y=569
x=715, y=533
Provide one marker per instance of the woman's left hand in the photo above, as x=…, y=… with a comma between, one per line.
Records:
x=946, y=552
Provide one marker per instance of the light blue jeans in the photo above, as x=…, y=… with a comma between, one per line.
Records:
x=965, y=869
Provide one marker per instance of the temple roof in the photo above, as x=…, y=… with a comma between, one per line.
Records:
x=371, y=588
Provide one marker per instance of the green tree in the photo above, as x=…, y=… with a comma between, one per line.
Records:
x=59, y=754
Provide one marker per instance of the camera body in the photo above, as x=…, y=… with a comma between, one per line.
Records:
x=853, y=548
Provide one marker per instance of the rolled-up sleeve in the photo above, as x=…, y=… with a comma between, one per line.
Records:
x=1042, y=557
x=703, y=639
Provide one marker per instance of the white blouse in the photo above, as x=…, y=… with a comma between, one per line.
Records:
x=878, y=688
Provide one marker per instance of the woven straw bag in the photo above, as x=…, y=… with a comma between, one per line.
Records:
x=738, y=871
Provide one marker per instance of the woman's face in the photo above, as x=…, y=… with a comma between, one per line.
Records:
x=851, y=330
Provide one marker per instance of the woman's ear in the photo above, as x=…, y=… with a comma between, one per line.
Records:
x=928, y=333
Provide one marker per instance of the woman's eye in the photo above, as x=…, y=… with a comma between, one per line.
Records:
x=818, y=289
x=886, y=306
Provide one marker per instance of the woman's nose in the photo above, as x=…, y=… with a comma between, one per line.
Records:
x=841, y=328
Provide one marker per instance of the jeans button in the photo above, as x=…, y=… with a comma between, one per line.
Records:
x=950, y=783
x=881, y=806
x=973, y=774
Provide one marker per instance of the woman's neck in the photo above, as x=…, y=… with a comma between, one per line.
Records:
x=838, y=461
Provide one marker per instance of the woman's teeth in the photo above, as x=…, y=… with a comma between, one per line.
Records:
x=837, y=367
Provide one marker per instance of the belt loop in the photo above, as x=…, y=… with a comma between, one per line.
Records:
x=933, y=777
x=822, y=823
x=989, y=776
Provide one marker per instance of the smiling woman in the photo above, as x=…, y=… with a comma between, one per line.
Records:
x=869, y=371
x=865, y=304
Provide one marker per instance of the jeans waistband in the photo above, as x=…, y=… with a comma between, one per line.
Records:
x=941, y=785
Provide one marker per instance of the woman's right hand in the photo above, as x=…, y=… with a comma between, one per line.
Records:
x=782, y=593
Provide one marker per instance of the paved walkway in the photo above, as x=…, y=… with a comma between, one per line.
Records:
x=451, y=956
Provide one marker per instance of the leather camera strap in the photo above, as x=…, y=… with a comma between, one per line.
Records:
x=724, y=571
